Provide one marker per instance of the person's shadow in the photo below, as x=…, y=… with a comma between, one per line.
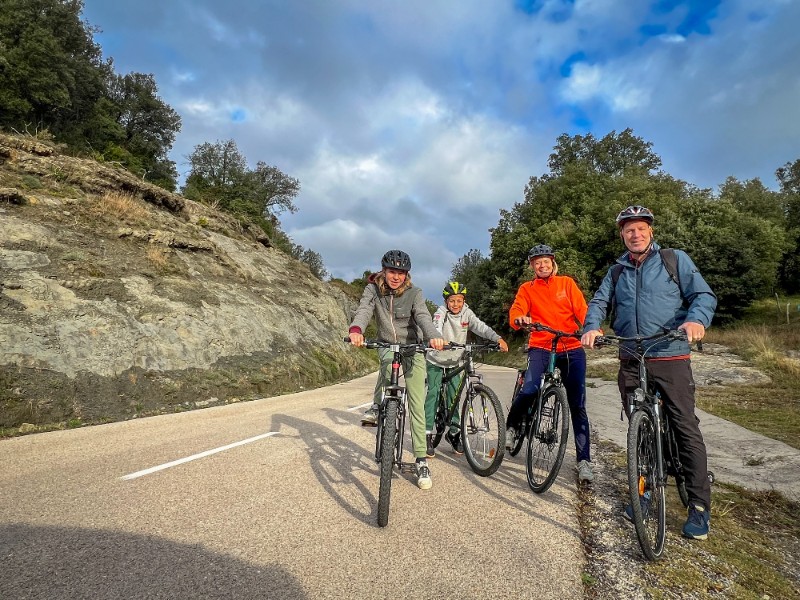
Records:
x=337, y=462
x=51, y=562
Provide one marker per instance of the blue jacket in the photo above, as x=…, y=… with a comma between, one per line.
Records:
x=648, y=300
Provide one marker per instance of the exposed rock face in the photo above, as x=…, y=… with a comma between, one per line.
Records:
x=118, y=298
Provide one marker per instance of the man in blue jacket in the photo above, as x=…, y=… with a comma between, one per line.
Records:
x=648, y=298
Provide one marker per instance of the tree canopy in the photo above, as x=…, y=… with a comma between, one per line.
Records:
x=739, y=238
x=54, y=80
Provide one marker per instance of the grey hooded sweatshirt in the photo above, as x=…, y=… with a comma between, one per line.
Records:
x=400, y=319
x=454, y=328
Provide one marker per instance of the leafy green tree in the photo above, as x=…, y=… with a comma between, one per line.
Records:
x=148, y=126
x=219, y=175
x=573, y=209
x=52, y=73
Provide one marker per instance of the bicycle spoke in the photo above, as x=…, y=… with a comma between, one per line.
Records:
x=483, y=430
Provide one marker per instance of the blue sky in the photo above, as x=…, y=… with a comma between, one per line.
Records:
x=411, y=124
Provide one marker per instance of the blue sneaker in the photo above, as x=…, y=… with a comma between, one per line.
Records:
x=644, y=501
x=698, y=523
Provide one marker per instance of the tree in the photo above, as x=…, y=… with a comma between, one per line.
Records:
x=613, y=154
x=573, y=209
x=219, y=175
x=148, y=126
x=52, y=73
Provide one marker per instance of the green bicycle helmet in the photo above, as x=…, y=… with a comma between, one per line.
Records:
x=454, y=288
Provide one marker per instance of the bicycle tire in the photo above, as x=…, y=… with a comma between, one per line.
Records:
x=547, y=440
x=517, y=445
x=648, y=506
x=388, y=444
x=483, y=430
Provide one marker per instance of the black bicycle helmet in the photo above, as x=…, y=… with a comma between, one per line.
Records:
x=541, y=250
x=635, y=212
x=454, y=288
x=396, y=259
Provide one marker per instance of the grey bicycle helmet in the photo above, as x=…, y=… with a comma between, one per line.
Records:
x=635, y=212
x=541, y=250
x=396, y=259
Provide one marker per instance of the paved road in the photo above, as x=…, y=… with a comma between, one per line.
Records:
x=117, y=511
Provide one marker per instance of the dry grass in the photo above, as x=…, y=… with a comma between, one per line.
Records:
x=121, y=206
x=158, y=257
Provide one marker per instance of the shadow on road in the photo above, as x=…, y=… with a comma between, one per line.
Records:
x=62, y=562
x=335, y=461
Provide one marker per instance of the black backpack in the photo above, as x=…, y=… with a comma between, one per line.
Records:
x=670, y=260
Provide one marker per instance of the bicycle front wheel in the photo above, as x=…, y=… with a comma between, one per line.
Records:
x=648, y=506
x=547, y=441
x=483, y=430
x=388, y=443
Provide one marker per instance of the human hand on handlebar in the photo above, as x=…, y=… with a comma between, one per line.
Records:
x=694, y=331
x=503, y=345
x=436, y=343
x=587, y=339
x=522, y=321
x=357, y=339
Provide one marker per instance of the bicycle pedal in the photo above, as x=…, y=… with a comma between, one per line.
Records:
x=368, y=424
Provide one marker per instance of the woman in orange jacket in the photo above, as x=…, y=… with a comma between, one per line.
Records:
x=552, y=300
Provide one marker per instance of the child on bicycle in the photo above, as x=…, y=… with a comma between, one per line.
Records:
x=453, y=320
x=556, y=301
x=403, y=318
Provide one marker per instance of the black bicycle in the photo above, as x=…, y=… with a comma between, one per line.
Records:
x=546, y=424
x=391, y=425
x=652, y=448
x=482, y=427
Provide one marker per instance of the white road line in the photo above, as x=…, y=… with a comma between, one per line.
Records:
x=180, y=461
x=359, y=406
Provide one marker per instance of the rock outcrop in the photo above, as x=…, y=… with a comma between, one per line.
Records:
x=119, y=298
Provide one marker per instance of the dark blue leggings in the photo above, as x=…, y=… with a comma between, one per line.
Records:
x=573, y=373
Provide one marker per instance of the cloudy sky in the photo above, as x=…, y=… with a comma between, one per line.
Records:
x=411, y=123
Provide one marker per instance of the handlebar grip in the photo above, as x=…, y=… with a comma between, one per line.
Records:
x=347, y=340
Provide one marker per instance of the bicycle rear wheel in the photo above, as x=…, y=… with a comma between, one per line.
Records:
x=388, y=444
x=646, y=492
x=483, y=430
x=547, y=441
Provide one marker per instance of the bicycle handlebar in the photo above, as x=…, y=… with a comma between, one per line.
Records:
x=610, y=340
x=536, y=326
x=373, y=344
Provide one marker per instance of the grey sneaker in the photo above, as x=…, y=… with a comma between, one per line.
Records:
x=424, y=481
x=585, y=471
x=370, y=417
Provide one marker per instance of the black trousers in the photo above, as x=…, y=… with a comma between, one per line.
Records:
x=673, y=378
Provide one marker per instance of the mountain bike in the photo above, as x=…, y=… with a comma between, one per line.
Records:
x=652, y=448
x=482, y=427
x=546, y=424
x=391, y=425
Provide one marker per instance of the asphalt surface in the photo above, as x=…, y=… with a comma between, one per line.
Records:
x=272, y=499
x=276, y=498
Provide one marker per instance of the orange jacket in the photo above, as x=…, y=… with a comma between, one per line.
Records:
x=556, y=302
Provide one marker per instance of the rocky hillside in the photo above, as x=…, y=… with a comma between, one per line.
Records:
x=119, y=299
